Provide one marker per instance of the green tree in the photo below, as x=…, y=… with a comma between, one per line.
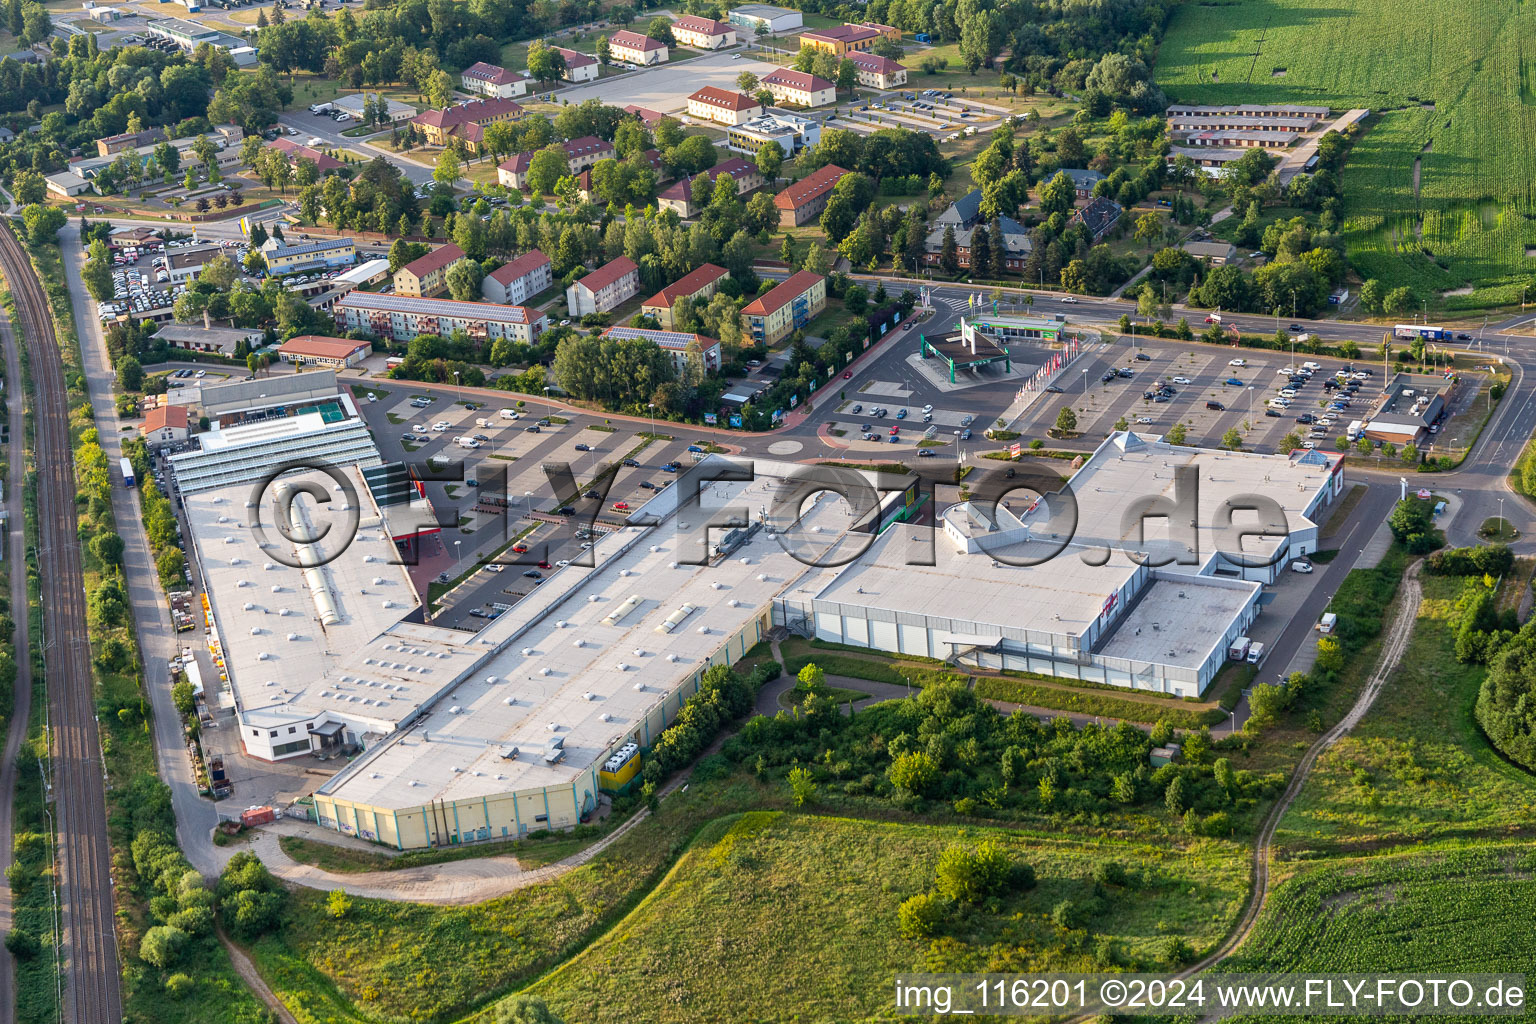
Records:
x=914, y=772
x=770, y=159
x=1232, y=440
x=1177, y=433
x=1066, y=420
x=802, y=785
x=447, y=170
x=523, y=1009
x=967, y=875
x=162, y=946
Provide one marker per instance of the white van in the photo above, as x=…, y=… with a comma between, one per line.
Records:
x=1327, y=622
x=509, y=414
x=1255, y=653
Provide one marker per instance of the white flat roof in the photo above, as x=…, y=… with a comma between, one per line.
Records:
x=573, y=650
x=287, y=664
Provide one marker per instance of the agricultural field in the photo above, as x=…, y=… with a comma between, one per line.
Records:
x=777, y=911
x=1437, y=191
x=1416, y=768
x=1464, y=910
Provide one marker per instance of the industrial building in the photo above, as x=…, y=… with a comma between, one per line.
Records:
x=189, y=36
x=474, y=737
x=765, y=19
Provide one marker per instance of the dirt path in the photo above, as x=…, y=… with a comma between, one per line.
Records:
x=253, y=979
x=1400, y=631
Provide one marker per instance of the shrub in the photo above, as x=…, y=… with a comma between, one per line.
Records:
x=162, y=945
x=919, y=916
x=179, y=986
x=915, y=772
x=967, y=875
x=22, y=944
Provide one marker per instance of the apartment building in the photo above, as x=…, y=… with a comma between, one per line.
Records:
x=698, y=285
x=428, y=275
x=772, y=317
x=403, y=317
x=800, y=88
x=723, y=106
x=515, y=282
x=605, y=288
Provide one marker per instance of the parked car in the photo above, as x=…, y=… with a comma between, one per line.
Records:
x=1301, y=565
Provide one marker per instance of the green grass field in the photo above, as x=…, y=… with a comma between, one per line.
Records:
x=799, y=912
x=1456, y=93
x=1457, y=910
x=1417, y=767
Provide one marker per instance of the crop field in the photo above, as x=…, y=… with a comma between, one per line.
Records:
x=1463, y=910
x=1438, y=192
x=1417, y=767
x=776, y=911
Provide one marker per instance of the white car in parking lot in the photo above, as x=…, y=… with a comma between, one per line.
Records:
x=441, y=425
x=1182, y=380
x=1237, y=362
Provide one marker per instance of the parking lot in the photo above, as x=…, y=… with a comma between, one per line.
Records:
x=893, y=424
x=937, y=113
x=491, y=506
x=1207, y=393
x=666, y=87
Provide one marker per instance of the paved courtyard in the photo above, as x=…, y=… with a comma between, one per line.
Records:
x=667, y=87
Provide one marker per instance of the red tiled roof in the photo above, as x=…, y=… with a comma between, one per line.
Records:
x=725, y=99
x=842, y=33
x=736, y=167
x=490, y=73
x=645, y=114
x=874, y=62
x=517, y=164
x=802, y=80
x=524, y=265
x=467, y=113
x=686, y=285
x=608, y=273
x=437, y=259
x=163, y=416
x=585, y=145
x=808, y=188
x=783, y=295
x=707, y=26
x=319, y=346
x=293, y=151
x=635, y=41
x=574, y=59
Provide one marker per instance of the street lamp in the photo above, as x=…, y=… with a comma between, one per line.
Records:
x=458, y=392
x=528, y=502
x=652, y=406
x=456, y=553
x=1085, y=382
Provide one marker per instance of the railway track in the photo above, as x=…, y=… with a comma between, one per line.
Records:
x=91, y=991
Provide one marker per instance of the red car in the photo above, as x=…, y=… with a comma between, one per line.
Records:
x=544, y=565
x=847, y=375
x=621, y=506
x=520, y=548
x=895, y=431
